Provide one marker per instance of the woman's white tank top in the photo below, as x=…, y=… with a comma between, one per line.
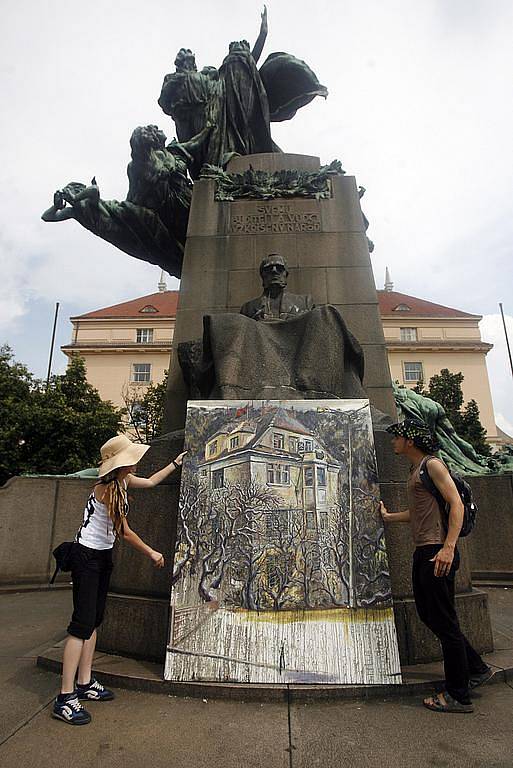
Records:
x=97, y=529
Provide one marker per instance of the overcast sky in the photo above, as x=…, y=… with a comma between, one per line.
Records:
x=420, y=111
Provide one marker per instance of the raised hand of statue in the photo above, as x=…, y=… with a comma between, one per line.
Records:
x=263, y=25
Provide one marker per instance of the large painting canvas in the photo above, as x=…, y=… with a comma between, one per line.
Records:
x=280, y=571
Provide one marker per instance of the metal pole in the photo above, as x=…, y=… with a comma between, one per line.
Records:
x=51, y=345
x=506, y=335
x=350, y=521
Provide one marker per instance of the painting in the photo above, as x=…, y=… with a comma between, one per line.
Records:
x=280, y=572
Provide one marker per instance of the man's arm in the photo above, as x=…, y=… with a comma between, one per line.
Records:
x=439, y=474
x=394, y=517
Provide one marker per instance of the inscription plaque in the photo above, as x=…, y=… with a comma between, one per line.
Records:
x=275, y=218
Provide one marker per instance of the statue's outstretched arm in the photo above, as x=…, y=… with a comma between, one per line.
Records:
x=260, y=42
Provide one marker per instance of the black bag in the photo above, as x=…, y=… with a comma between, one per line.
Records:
x=465, y=493
x=62, y=554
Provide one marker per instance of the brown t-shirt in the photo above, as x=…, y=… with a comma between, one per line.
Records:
x=425, y=519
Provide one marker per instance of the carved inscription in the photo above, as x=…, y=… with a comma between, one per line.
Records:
x=275, y=218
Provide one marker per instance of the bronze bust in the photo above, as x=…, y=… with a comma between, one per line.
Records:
x=276, y=303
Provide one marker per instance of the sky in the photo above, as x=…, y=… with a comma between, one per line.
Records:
x=419, y=110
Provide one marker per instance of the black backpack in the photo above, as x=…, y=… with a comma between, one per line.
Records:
x=465, y=493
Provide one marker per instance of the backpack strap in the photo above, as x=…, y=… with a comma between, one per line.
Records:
x=428, y=482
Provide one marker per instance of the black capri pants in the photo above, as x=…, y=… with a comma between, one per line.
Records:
x=90, y=571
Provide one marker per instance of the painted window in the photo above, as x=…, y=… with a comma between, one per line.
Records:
x=308, y=445
x=141, y=373
x=203, y=473
x=278, y=441
x=144, y=335
x=310, y=520
x=218, y=478
x=212, y=448
x=408, y=334
x=324, y=521
x=309, y=476
x=234, y=442
x=321, y=476
x=293, y=444
x=278, y=474
x=413, y=372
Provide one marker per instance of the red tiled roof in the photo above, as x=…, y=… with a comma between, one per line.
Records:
x=165, y=302
x=389, y=300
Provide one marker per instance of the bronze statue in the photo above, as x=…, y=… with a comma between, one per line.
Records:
x=239, y=99
x=151, y=224
x=276, y=303
x=459, y=455
x=280, y=347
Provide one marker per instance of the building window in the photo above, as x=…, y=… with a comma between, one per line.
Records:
x=324, y=521
x=278, y=441
x=203, y=473
x=308, y=445
x=321, y=476
x=413, y=372
x=408, y=334
x=293, y=444
x=402, y=308
x=218, y=478
x=212, y=448
x=278, y=474
x=148, y=309
x=309, y=476
x=234, y=442
x=144, y=335
x=141, y=373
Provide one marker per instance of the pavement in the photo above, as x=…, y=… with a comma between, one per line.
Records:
x=167, y=731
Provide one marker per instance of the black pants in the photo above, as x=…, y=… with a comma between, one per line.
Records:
x=90, y=571
x=434, y=598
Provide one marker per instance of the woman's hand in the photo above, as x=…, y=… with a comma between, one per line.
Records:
x=157, y=559
x=179, y=459
x=385, y=514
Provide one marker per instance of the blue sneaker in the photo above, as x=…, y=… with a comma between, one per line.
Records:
x=94, y=691
x=71, y=710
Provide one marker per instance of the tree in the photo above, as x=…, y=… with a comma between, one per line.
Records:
x=145, y=414
x=445, y=388
x=51, y=430
x=472, y=430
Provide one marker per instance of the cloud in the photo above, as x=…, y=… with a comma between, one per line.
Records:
x=497, y=361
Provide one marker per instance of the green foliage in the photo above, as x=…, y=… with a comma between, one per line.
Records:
x=472, y=430
x=445, y=388
x=145, y=414
x=50, y=430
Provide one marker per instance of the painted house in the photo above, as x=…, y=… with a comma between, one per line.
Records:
x=276, y=451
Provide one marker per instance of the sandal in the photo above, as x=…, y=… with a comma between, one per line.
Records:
x=446, y=704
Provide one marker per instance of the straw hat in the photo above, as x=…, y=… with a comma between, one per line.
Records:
x=119, y=452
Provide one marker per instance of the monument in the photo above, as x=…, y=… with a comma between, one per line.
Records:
x=314, y=332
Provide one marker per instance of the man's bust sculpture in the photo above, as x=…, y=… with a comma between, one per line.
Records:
x=276, y=303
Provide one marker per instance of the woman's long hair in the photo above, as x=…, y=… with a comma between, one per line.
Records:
x=115, y=500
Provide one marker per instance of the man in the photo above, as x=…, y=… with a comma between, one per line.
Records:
x=435, y=562
x=276, y=303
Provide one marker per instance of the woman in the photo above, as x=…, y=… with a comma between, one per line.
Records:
x=104, y=521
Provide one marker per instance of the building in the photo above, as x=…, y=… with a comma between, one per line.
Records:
x=275, y=451
x=127, y=346
x=423, y=337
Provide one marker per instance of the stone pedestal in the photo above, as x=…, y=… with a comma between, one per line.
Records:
x=325, y=245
